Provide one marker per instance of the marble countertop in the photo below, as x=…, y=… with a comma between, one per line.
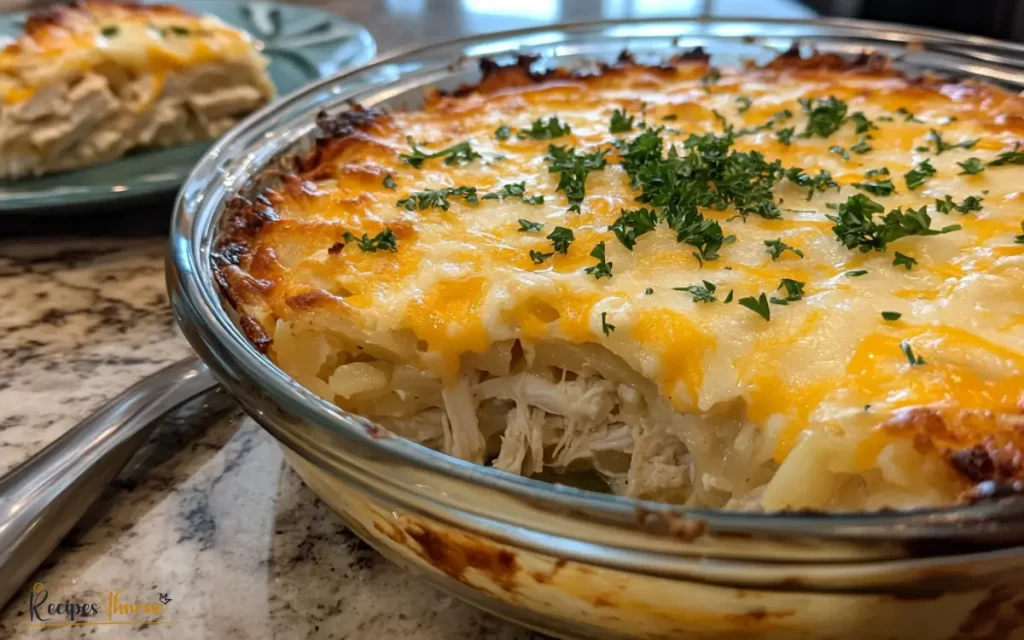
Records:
x=208, y=513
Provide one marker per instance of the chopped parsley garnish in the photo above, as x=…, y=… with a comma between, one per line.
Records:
x=383, y=241
x=877, y=187
x=904, y=261
x=777, y=246
x=876, y=173
x=824, y=115
x=514, y=190
x=712, y=76
x=914, y=360
x=709, y=175
x=620, y=122
x=648, y=291
x=179, y=30
x=574, y=170
x=542, y=129
x=630, y=225
x=1019, y=239
x=819, y=182
x=919, y=175
x=539, y=257
x=527, y=225
x=389, y=182
x=861, y=122
x=603, y=268
x=1009, y=157
x=785, y=136
x=794, y=291
x=705, y=293
x=561, y=238
x=502, y=132
x=947, y=204
x=607, y=328
x=908, y=117
x=455, y=154
x=856, y=273
x=438, y=198
x=891, y=316
x=971, y=166
x=110, y=30
x=856, y=226
x=941, y=145
x=743, y=104
x=862, y=146
x=843, y=153
x=670, y=117
x=757, y=305
x=728, y=298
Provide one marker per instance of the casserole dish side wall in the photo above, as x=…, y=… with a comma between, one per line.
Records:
x=573, y=600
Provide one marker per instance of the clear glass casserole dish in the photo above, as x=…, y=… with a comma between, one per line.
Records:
x=567, y=561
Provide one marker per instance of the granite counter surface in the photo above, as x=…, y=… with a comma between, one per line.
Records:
x=208, y=513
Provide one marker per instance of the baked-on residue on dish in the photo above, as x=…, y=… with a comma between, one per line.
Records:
x=89, y=82
x=797, y=286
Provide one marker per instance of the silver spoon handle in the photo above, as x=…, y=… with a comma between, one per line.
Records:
x=43, y=498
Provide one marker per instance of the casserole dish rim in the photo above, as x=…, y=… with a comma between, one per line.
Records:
x=201, y=310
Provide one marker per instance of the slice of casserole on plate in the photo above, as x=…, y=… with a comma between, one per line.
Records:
x=88, y=82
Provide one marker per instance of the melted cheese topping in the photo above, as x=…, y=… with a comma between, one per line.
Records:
x=91, y=36
x=463, y=278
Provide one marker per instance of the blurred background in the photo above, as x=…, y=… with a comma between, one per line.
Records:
x=401, y=22
x=426, y=19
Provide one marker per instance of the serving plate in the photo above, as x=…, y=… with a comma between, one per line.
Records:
x=303, y=44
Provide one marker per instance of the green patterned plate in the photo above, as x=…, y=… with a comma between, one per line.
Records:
x=302, y=44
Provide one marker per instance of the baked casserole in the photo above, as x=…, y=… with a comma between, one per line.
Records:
x=89, y=82
x=790, y=286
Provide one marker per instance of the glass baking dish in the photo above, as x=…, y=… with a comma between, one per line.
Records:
x=572, y=562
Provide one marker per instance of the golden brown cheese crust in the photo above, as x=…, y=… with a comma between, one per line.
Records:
x=359, y=148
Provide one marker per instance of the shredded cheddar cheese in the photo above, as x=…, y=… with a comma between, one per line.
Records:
x=825, y=363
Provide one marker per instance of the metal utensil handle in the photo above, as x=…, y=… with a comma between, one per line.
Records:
x=43, y=498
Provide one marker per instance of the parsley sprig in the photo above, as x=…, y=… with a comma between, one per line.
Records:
x=819, y=183
x=1009, y=157
x=455, y=154
x=383, y=241
x=603, y=268
x=856, y=226
x=919, y=174
x=438, y=198
x=794, y=291
x=561, y=238
x=971, y=166
x=620, y=122
x=514, y=190
x=941, y=145
x=700, y=293
x=541, y=129
x=914, y=359
x=824, y=115
x=947, y=204
x=758, y=305
x=776, y=247
x=877, y=187
x=630, y=225
x=574, y=169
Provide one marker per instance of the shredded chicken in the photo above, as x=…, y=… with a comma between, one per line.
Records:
x=87, y=119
